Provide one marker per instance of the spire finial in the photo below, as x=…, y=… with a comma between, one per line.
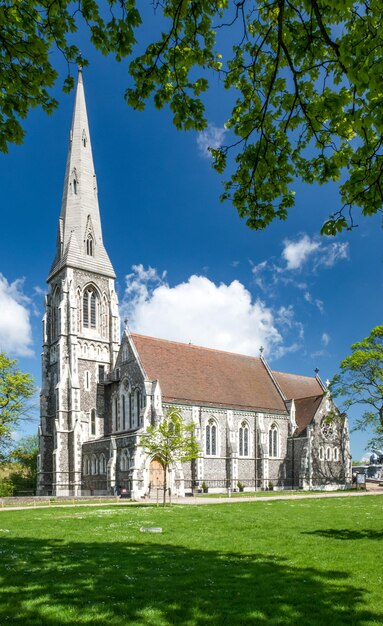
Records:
x=316, y=371
x=261, y=349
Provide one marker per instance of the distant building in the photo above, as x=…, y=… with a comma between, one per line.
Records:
x=255, y=426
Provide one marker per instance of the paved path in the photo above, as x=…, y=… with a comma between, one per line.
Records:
x=373, y=490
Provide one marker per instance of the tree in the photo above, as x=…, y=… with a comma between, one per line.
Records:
x=16, y=388
x=360, y=381
x=304, y=77
x=23, y=464
x=170, y=440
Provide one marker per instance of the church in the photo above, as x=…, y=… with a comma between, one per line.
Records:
x=257, y=429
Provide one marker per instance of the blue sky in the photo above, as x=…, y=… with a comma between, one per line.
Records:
x=187, y=267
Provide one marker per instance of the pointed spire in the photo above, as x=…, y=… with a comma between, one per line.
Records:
x=79, y=243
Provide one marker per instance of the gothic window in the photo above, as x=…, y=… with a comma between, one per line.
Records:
x=86, y=466
x=75, y=187
x=84, y=138
x=321, y=453
x=273, y=441
x=130, y=411
x=89, y=245
x=336, y=454
x=328, y=453
x=94, y=464
x=123, y=413
x=102, y=464
x=87, y=381
x=115, y=420
x=93, y=422
x=211, y=437
x=89, y=308
x=124, y=464
x=138, y=406
x=244, y=439
x=56, y=326
x=328, y=429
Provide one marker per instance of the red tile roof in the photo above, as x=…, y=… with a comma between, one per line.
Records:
x=305, y=409
x=194, y=375
x=294, y=386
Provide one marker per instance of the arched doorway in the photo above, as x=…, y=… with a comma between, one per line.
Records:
x=156, y=474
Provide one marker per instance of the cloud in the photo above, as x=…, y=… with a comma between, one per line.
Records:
x=314, y=301
x=325, y=339
x=15, y=326
x=296, y=253
x=198, y=310
x=212, y=137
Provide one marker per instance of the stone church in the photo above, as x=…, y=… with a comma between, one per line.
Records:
x=256, y=428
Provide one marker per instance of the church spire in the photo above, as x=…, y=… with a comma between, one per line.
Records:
x=79, y=241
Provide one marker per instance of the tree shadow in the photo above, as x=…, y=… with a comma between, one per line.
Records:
x=346, y=534
x=156, y=584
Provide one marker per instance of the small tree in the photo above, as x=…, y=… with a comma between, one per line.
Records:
x=23, y=461
x=16, y=388
x=360, y=381
x=171, y=440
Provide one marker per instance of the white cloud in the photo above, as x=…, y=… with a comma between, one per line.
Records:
x=314, y=301
x=296, y=253
x=212, y=137
x=217, y=316
x=15, y=326
x=325, y=339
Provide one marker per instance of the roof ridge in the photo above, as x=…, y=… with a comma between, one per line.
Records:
x=290, y=374
x=192, y=345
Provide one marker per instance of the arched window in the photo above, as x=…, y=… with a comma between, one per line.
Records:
x=89, y=245
x=102, y=464
x=138, y=399
x=273, y=440
x=84, y=138
x=336, y=454
x=123, y=413
x=328, y=453
x=211, y=437
x=115, y=414
x=321, y=453
x=94, y=464
x=86, y=466
x=75, y=187
x=244, y=439
x=130, y=411
x=89, y=308
x=93, y=422
x=124, y=464
x=56, y=319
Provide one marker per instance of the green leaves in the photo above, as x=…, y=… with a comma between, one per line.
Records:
x=16, y=388
x=360, y=381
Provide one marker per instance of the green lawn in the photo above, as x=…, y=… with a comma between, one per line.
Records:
x=298, y=562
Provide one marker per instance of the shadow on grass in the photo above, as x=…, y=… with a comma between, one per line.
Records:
x=152, y=583
x=346, y=533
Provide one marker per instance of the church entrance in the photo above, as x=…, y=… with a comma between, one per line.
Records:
x=156, y=474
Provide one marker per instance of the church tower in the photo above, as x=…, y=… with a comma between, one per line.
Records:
x=81, y=327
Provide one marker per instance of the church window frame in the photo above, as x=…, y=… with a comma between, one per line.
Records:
x=336, y=453
x=328, y=453
x=102, y=464
x=56, y=314
x=123, y=412
x=93, y=422
x=86, y=466
x=137, y=403
x=244, y=439
x=130, y=401
x=321, y=453
x=124, y=462
x=90, y=245
x=274, y=441
x=89, y=308
x=94, y=465
x=87, y=380
x=211, y=437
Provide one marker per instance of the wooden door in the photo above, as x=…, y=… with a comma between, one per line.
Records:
x=156, y=474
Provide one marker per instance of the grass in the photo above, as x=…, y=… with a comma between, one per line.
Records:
x=296, y=562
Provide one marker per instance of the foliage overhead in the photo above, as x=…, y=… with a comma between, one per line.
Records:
x=171, y=441
x=16, y=388
x=360, y=381
x=305, y=78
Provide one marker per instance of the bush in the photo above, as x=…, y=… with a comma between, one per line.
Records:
x=6, y=488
